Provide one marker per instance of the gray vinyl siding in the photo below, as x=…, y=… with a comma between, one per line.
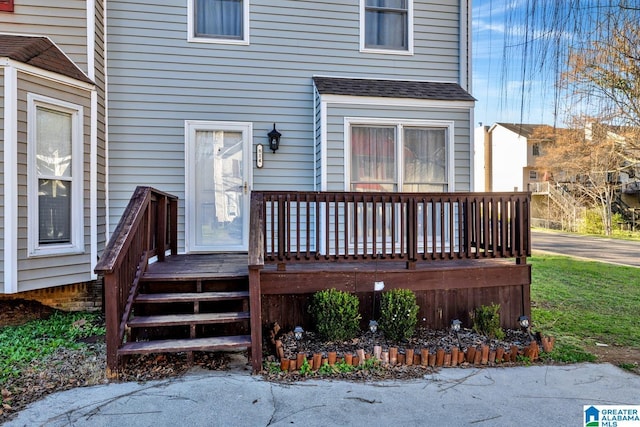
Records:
x=2, y=179
x=157, y=80
x=101, y=165
x=40, y=272
x=335, y=136
x=63, y=21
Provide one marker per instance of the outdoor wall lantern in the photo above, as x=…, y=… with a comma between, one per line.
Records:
x=455, y=328
x=297, y=332
x=525, y=324
x=373, y=326
x=274, y=139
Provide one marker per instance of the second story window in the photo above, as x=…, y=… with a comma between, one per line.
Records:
x=535, y=149
x=221, y=21
x=387, y=25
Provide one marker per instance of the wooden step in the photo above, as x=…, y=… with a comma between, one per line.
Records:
x=191, y=296
x=180, y=345
x=187, y=319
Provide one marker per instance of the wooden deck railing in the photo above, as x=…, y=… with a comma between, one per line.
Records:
x=292, y=227
x=147, y=228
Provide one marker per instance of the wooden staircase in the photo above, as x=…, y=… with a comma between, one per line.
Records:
x=181, y=313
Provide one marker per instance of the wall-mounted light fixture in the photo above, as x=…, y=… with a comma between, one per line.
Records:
x=274, y=139
x=373, y=326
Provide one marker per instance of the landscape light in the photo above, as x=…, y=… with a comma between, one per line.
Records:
x=373, y=326
x=297, y=332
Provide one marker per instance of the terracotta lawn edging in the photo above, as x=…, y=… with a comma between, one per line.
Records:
x=480, y=355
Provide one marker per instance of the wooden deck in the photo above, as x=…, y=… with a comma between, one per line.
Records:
x=445, y=290
x=199, y=266
x=456, y=251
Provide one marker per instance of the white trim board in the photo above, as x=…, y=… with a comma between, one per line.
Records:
x=10, y=180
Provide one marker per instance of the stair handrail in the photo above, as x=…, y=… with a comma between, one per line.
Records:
x=147, y=228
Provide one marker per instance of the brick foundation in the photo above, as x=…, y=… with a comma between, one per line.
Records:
x=77, y=297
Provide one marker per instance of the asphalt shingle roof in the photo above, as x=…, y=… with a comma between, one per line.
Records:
x=39, y=52
x=392, y=88
x=522, y=129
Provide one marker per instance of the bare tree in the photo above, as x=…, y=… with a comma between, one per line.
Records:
x=591, y=49
x=588, y=159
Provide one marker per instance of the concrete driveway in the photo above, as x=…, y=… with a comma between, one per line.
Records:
x=515, y=396
x=602, y=249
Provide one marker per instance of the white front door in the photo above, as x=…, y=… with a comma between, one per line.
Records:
x=218, y=182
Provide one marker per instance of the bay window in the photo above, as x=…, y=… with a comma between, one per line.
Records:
x=55, y=176
x=407, y=157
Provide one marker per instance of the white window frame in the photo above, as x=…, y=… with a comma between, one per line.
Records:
x=191, y=27
x=400, y=124
x=76, y=246
x=365, y=49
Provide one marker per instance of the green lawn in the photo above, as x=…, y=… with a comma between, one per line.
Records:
x=581, y=302
x=20, y=345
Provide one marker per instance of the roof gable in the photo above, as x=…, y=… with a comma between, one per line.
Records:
x=392, y=89
x=40, y=52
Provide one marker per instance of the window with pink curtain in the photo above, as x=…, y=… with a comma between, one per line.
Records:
x=425, y=160
x=373, y=158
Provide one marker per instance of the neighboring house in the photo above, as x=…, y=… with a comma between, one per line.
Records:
x=627, y=174
x=52, y=127
x=505, y=157
x=366, y=95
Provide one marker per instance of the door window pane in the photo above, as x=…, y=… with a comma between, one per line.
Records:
x=219, y=188
x=219, y=19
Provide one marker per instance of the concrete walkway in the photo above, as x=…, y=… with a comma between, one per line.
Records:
x=523, y=396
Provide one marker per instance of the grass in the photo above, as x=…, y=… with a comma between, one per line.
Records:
x=21, y=345
x=583, y=302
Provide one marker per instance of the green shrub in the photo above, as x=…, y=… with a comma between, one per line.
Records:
x=336, y=314
x=398, y=314
x=592, y=223
x=486, y=321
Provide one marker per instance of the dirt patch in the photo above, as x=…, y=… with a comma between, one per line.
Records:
x=18, y=311
x=626, y=357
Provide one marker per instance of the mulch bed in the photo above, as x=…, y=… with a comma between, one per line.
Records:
x=426, y=351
